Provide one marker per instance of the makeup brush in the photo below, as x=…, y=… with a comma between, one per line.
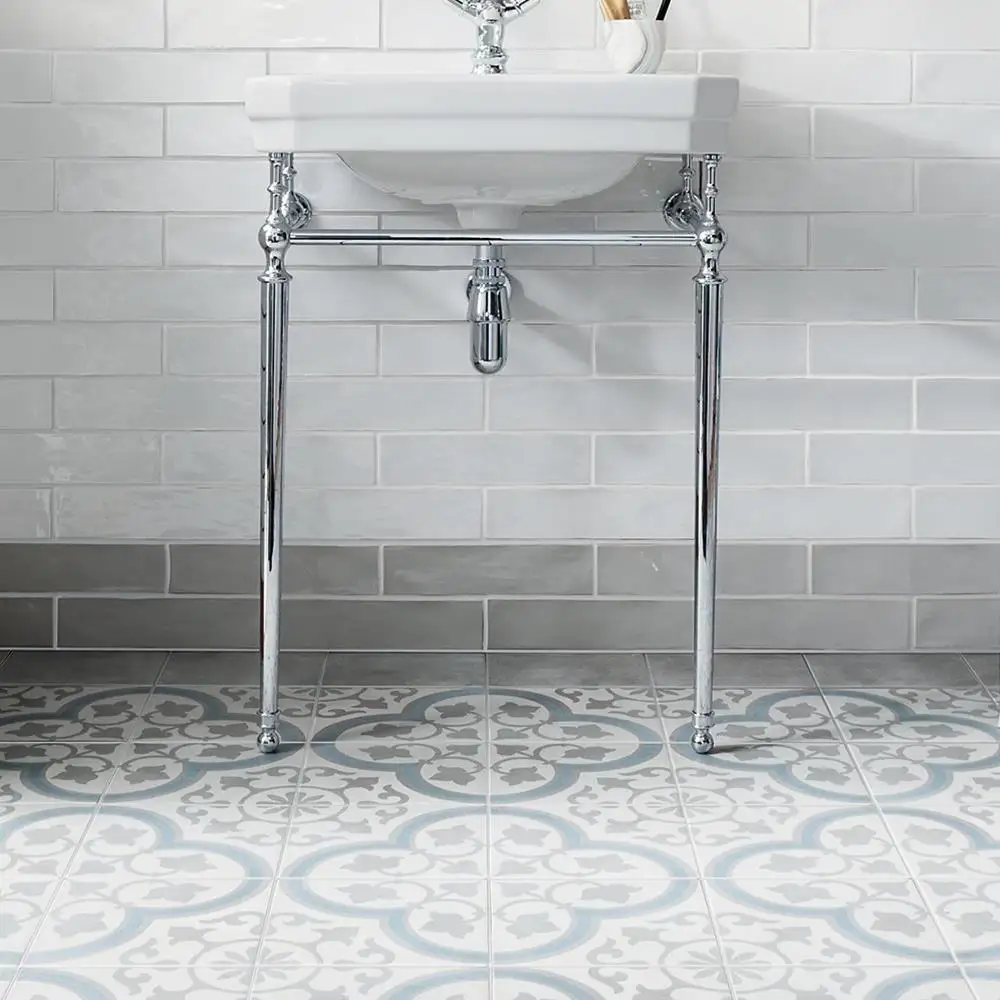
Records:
x=664, y=7
x=616, y=10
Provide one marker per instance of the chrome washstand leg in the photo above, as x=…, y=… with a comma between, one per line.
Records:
x=288, y=211
x=708, y=383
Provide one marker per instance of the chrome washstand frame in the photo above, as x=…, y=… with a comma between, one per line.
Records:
x=692, y=218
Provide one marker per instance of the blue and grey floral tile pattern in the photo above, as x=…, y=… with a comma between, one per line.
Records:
x=470, y=843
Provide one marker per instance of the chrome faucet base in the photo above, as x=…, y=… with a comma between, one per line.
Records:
x=490, y=57
x=693, y=221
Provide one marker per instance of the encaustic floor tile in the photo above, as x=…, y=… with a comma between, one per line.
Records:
x=189, y=920
x=911, y=773
x=941, y=839
x=968, y=910
x=586, y=922
x=964, y=715
x=849, y=983
x=745, y=716
x=811, y=922
x=22, y=906
x=819, y=774
x=682, y=983
x=173, y=839
x=574, y=715
x=400, y=715
x=38, y=841
x=35, y=713
x=134, y=983
x=286, y=982
x=217, y=714
x=794, y=841
x=56, y=773
x=522, y=773
x=210, y=774
x=404, y=922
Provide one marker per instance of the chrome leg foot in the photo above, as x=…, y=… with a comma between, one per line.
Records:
x=703, y=742
x=708, y=385
x=275, y=238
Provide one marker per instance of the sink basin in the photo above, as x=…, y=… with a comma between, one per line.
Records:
x=492, y=145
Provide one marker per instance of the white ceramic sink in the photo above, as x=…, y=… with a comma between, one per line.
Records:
x=492, y=145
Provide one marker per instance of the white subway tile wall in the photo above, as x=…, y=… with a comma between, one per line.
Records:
x=862, y=398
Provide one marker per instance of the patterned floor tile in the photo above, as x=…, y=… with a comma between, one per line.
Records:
x=691, y=983
x=134, y=983
x=39, y=841
x=581, y=923
x=825, y=922
x=438, y=771
x=400, y=715
x=968, y=911
x=797, y=841
x=780, y=774
x=906, y=773
x=210, y=774
x=69, y=713
x=186, y=920
x=574, y=715
x=747, y=715
x=192, y=714
x=584, y=809
x=849, y=983
x=404, y=922
x=941, y=839
x=527, y=772
x=985, y=981
x=287, y=982
x=23, y=906
x=388, y=840
x=175, y=840
x=963, y=715
x=39, y=773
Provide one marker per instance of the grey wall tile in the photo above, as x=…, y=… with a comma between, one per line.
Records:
x=86, y=349
x=489, y=569
x=321, y=570
x=760, y=670
x=958, y=404
x=26, y=404
x=425, y=669
x=906, y=569
x=547, y=669
x=668, y=570
x=953, y=295
x=668, y=459
x=25, y=514
x=645, y=349
x=51, y=567
x=79, y=458
x=219, y=667
x=312, y=459
x=814, y=623
x=25, y=621
x=73, y=666
x=589, y=625
x=897, y=349
x=231, y=623
x=971, y=512
x=961, y=624
x=484, y=459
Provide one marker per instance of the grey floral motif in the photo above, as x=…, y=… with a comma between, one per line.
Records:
x=966, y=715
x=909, y=772
x=592, y=715
x=848, y=983
x=969, y=912
x=746, y=715
x=945, y=840
x=812, y=922
x=24, y=904
x=679, y=983
x=37, y=842
x=134, y=983
x=793, y=841
x=303, y=982
x=220, y=714
x=400, y=715
x=35, y=713
x=68, y=772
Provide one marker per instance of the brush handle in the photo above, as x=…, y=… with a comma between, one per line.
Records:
x=664, y=7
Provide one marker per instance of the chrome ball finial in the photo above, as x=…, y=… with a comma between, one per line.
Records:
x=268, y=741
x=703, y=742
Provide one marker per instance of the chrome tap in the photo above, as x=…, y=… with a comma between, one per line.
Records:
x=490, y=56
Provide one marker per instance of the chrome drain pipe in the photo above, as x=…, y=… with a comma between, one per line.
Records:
x=489, y=310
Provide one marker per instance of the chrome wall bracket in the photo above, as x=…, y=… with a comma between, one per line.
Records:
x=692, y=221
